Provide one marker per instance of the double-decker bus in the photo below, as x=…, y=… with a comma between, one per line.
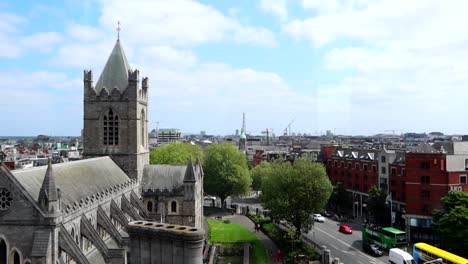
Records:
x=423, y=252
x=384, y=237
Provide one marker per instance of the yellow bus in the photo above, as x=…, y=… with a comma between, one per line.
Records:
x=423, y=252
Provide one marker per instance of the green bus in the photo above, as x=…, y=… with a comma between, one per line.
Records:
x=384, y=237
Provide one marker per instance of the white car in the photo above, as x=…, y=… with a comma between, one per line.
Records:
x=319, y=218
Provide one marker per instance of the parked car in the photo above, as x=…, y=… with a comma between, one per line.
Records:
x=372, y=249
x=319, y=218
x=345, y=229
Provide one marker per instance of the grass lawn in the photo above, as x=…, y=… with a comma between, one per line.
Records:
x=221, y=232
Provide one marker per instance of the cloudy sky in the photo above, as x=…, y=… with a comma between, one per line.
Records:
x=350, y=66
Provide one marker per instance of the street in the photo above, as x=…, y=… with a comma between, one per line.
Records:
x=346, y=247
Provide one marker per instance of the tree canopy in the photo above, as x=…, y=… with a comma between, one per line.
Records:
x=226, y=171
x=451, y=222
x=175, y=153
x=259, y=173
x=377, y=207
x=294, y=192
x=340, y=198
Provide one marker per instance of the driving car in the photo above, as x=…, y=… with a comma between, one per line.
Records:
x=345, y=229
x=319, y=218
x=372, y=249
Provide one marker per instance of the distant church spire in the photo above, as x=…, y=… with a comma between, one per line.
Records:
x=243, y=123
x=243, y=136
x=118, y=30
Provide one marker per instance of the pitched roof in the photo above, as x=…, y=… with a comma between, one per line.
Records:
x=115, y=73
x=424, y=148
x=76, y=179
x=162, y=177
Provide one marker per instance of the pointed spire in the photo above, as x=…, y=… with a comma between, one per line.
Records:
x=48, y=189
x=189, y=172
x=115, y=73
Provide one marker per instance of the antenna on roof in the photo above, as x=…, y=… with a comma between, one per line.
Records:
x=118, y=30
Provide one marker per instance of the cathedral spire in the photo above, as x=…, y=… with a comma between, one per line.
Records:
x=115, y=73
x=48, y=189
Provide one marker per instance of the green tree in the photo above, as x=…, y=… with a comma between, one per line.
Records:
x=377, y=207
x=340, y=198
x=294, y=192
x=175, y=153
x=226, y=171
x=451, y=222
x=259, y=173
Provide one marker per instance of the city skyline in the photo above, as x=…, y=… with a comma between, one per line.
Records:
x=344, y=66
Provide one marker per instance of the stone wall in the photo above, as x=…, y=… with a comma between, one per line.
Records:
x=151, y=242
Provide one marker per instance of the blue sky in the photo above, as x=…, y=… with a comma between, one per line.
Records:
x=352, y=66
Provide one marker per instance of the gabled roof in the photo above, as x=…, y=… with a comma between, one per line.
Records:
x=76, y=179
x=162, y=177
x=115, y=73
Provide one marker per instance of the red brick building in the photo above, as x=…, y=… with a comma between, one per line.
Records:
x=417, y=179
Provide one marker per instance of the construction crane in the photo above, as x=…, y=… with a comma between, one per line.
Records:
x=287, y=130
x=267, y=132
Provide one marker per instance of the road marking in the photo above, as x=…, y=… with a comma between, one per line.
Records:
x=351, y=253
x=333, y=246
x=346, y=244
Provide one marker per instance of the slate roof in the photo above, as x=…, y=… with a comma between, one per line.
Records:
x=424, y=148
x=75, y=179
x=40, y=243
x=163, y=177
x=115, y=73
x=446, y=146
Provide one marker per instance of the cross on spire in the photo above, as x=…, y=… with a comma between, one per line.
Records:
x=118, y=30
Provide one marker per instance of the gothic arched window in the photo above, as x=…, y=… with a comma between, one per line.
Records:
x=149, y=206
x=3, y=252
x=15, y=258
x=143, y=130
x=173, y=207
x=111, y=128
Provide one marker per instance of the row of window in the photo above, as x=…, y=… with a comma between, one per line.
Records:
x=111, y=128
x=151, y=208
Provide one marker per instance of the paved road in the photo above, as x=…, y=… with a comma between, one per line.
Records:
x=346, y=247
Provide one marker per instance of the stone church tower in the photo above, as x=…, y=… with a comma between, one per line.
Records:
x=116, y=114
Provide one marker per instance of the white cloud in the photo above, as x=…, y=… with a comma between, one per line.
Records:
x=42, y=42
x=276, y=7
x=13, y=44
x=178, y=22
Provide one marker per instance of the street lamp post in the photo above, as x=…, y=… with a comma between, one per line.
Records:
x=389, y=200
